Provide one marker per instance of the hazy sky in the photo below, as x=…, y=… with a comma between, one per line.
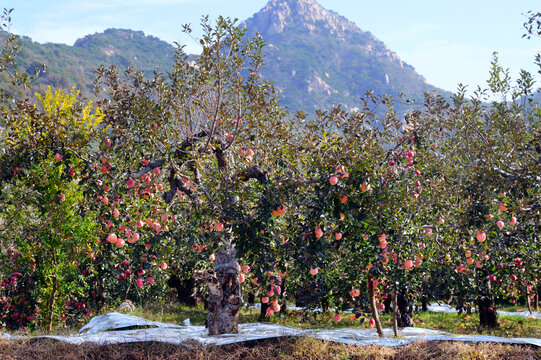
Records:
x=446, y=41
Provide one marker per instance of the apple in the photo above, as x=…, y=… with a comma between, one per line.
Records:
x=337, y=317
x=275, y=306
x=382, y=244
x=391, y=163
x=270, y=312
x=355, y=293
x=372, y=323
x=112, y=238
x=470, y=261
x=219, y=226
x=490, y=309
x=342, y=216
x=382, y=237
x=62, y=197
x=116, y=213
x=338, y=236
x=500, y=224
x=163, y=265
x=365, y=186
x=58, y=157
x=264, y=300
x=139, y=282
x=245, y=269
x=156, y=171
x=130, y=183
x=105, y=200
x=120, y=242
x=478, y=264
x=343, y=199
x=481, y=236
x=333, y=180
x=468, y=253
x=212, y=257
x=513, y=278
x=319, y=233
x=513, y=221
x=428, y=231
x=408, y=264
x=492, y=278
x=441, y=221
x=502, y=207
x=242, y=278
x=314, y=270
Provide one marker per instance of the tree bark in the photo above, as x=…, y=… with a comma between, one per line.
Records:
x=488, y=317
x=373, y=307
x=424, y=303
x=224, y=292
x=51, y=304
x=396, y=313
x=405, y=311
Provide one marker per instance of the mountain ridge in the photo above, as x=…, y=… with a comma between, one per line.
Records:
x=316, y=57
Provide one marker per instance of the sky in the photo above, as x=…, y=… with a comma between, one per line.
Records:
x=448, y=42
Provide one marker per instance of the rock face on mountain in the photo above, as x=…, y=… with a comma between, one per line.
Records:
x=318, y=58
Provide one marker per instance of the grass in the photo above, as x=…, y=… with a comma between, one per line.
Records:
x=278, y=348
x=510, y=326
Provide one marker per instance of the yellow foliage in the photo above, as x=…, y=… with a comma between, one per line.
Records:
x=63, y=119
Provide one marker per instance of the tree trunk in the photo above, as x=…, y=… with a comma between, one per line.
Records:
x=488, y=317
x=424, y=303
x=373, y=307
x=224, y=292
x=263, y=312
x=396, y=314
x=405, y=311
x=51, y=304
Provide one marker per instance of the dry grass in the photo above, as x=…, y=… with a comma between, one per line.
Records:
x=281, y=348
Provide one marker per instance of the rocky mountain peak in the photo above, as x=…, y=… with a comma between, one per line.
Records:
x=278, y=15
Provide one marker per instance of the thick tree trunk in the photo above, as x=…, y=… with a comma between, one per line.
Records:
x=405, y=311
x=224, y=292
x=424, y=303
x=373, y=307
x=488, y=316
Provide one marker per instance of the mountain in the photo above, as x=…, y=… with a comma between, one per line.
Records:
x=315, y=57
x=318, y=58
x=75, y=65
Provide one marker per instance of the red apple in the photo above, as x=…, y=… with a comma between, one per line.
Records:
x=408, y=264
x=481, y=236
x=333, y=180
x=337, y=318
x=58, y=157
x=112, y=238
x=314, y=270
x=219, y=226
x=319, y=233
